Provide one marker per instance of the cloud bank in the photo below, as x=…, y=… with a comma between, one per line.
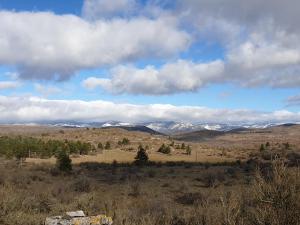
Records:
x=34, y=109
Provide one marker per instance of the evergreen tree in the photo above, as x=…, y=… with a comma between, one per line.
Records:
x=182, y=146
x=107, y=145
x=165, y=149
x=100, y=146
x=188, y=150
x=63, y=161
x=141, y=156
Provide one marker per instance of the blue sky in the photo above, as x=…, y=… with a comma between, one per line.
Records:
x=170, y=53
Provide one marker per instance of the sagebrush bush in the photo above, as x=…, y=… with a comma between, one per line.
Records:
x=81, y=185
x=271, y=197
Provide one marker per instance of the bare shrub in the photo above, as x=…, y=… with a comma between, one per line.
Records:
x=232, y=213
x=82, y=185
x=277, y=200
x=209, y=179
x=151, y=173
x=135, y=190
x=191, y=199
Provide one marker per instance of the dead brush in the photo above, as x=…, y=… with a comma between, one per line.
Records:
x=277, y=199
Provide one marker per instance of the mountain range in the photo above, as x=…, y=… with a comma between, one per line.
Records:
x=169, y=127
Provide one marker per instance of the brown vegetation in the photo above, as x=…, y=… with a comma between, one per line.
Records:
x=155, y=194
x=229, y=185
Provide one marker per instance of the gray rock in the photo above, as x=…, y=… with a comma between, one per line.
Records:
x=78, y=218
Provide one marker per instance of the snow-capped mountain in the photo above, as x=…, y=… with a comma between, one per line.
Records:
x=174, y=127
x=165, y=127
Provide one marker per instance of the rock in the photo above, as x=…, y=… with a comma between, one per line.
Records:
x=76, y=214
x=78, y=218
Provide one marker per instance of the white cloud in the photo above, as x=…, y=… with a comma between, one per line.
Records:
x=43, y=45
x=260, y=61
x=9, y=84
x=93, y=82
x=261, y=39
x=33, y=109
x=248, y=65
x=181, y=76
x=261, y=42
x=260, y=49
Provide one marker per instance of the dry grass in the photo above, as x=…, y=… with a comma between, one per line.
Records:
x=229, y=147
x=174, y=193
x=159, y=194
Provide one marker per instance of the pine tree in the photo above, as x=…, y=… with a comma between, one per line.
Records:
x=107, y=145
x=63, y=161
x=141, y=156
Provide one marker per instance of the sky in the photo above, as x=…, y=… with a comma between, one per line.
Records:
x=198, y=61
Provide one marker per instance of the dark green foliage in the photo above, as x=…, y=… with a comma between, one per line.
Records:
x=165, y=149
x=107, y=145
x=100, y=146
x=262, y=147
x=141, y=156
x=63, y=161
x=182, y=146
x=23, y=147
x=125, y=141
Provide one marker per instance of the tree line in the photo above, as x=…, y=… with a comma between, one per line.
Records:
x=25, y=147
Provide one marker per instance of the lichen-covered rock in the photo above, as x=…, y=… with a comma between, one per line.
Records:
x=78, y=218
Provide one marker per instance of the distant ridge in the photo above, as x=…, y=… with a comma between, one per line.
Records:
x=202, y=135
x=164, y=127
x=136, y=128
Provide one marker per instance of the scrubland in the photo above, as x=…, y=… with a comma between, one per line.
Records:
x=170, y=194
x=212, y=186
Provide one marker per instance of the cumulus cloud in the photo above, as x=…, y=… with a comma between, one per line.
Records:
x=33, y=109
x=180, y=76
x=261, y=45
x=248, y=65
x=42, y=45
x=261, y=42
x=9, y=84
